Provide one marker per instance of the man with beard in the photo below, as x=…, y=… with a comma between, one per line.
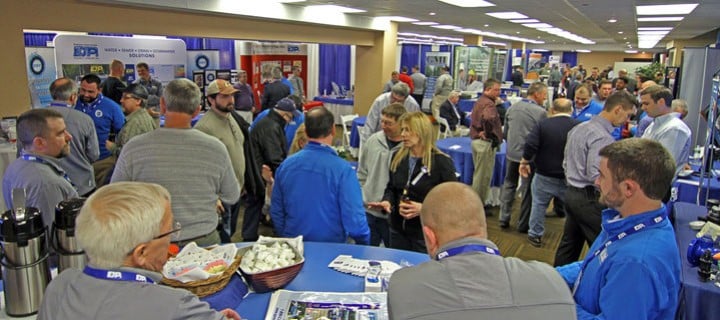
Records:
x=637, y=242
x=106, y=114
x=45, y=140
x=219, y=123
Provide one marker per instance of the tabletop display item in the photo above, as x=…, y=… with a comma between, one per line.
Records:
x=202, y=271
x=271, y=264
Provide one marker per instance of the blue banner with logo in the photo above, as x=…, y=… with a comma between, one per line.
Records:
x=201, y=60
x=40, y=62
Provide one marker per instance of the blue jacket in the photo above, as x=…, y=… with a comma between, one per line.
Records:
x=107, y=116
x=637, y=277
x=317, y=195
x=592, y=109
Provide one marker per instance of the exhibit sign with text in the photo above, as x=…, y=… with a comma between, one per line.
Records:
x=78, y=55
x=471, y=63
x=41, y=72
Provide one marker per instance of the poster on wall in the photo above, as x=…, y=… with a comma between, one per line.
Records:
x=471, y=63
x=535, y=62
x=200, y=60
x=433, y=62
x=40, y=62
x=77, y=55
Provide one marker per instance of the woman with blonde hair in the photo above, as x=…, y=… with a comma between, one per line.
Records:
x=415, y=169
x=299, y=141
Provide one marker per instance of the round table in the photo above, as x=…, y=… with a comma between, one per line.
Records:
x=317, y=276
x=355, y=131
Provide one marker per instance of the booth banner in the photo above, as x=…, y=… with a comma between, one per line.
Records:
x=199, y=60
x=77, y=55
x=259, y=48
x=40, y=63
x=433, y=62
x=536, y=61
x=471, y=61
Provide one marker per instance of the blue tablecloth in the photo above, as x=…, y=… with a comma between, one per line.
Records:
x=347, y=102
x=466, y=105
x=698, y=300
x=687, y=189
x=316, y=276
x=354, y=131
x=462, y=157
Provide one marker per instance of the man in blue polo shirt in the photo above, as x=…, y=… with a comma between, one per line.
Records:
x=106, y=114
x=585, y=108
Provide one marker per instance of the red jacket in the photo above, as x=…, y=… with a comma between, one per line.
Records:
x=406, y=78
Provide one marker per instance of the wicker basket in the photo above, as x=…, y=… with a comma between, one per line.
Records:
x=202, y=288
x=274, y=279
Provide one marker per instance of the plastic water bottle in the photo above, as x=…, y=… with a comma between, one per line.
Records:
x=372, y=277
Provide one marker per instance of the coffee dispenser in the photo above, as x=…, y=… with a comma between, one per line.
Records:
x=24, y=257
x=63, y=235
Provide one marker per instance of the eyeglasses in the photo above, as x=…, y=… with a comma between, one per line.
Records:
x=174, y=233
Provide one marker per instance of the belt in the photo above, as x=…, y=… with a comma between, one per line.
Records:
x=588, y=190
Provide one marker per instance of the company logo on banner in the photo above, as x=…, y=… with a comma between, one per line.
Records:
x=78, y=55
x=278, y=48
x=41, y=72
x=200, y=60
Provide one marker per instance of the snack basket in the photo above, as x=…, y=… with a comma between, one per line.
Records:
x=274, y=279
x=202, y=288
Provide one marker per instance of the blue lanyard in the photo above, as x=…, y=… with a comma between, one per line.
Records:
x=116, y=275
x=43, y=161
x=88, y=107
x=467, y=248
x=622, y=235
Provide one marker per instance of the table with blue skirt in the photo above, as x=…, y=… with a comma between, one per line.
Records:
x=685, y=189
x=338, y=107
x=460, y=150
x=355, y=131
x=698, y=300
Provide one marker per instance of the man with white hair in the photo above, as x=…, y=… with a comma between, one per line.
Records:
x=125, y=230
x=399, y=93
x=192, y=165
x=449, y=111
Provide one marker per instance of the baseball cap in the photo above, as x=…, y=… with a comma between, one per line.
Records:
x=287, y=105
x=220, y=86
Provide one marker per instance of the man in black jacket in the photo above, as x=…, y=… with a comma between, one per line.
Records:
x=268, y=141
x=450, y=112
x=274, y=91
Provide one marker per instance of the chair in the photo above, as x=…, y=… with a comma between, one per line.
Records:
x=347, y=125
x=442, y=122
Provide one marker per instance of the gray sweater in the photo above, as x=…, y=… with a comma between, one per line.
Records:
x=520, y=119
x=374, y=170
x=193, y=166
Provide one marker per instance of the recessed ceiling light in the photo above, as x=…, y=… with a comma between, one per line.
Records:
x=665, y=9
x=432, y=13
x=469, y=3
x=620, y=32
x=624, y=38
x=446, y=27
x=537, y=25
x=612, y=20
x=486, y=25
x=507, y=15
x=425, y=23
x=331, y=8
x=517, y=32
x=525, y=21
x=398, y=18
x=660, y=19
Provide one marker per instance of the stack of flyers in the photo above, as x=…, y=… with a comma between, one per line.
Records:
x=359, y=267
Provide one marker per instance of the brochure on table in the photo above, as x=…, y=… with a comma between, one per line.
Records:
x=285, y=304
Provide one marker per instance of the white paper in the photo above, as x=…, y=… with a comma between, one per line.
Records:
x=285, y=304
x=195, y=263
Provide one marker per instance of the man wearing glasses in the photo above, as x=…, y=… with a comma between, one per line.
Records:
x=125, y=229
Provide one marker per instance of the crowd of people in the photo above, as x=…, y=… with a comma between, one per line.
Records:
x=146, y=182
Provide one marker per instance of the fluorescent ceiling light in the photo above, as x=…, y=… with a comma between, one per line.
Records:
x=525, y=21
x=331, y=8
x=286, y=1
x=446, y=27
x=537, y=25
x=631, y=51
x=540, y=50
x=507, y=15
x=653, y=32
x=583, y=51
x=647, y=19
x=493, y=43
x=397, y=18
x=655, y=28
x=469, y=3
x=468, y=30
x=425, y=23
x=665, y=9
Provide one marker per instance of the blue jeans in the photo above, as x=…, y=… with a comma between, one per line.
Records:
x=543, y=189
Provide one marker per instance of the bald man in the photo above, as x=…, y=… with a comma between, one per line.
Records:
x=467, y=278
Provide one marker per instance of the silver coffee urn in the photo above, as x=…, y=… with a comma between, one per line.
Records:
x=24, y=257
x=63, y=235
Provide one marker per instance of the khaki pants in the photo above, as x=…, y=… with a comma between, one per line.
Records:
x=435, y=104
x=103, y=169
x=484, y=161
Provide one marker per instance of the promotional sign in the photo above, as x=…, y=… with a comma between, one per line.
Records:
x=77, y=55
x=471, y=62
x=199, y=60
x=40, y=62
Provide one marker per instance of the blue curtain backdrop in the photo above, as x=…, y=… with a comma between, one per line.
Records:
x=38, y=39
x=409, y=56
x=110, y=34
x=569, y=58
x=425, y=48
x=334, y=66
x=190, y=42
x=226, y=47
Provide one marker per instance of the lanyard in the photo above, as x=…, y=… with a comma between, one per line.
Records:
x=89, y=107
x=467, y=248
x=60, y=104
x=116, y=275
x=634, y=229
x=43, y=161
